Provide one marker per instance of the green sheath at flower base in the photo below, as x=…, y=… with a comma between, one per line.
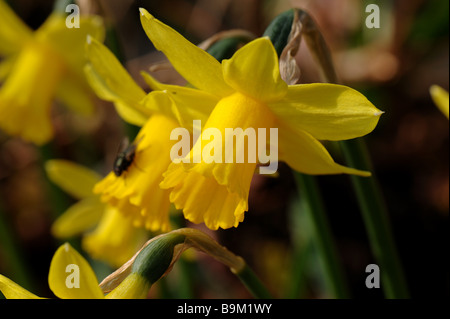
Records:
x=160, y=253
x=154, y=260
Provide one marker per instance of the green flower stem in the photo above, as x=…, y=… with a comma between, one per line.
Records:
x=280, y=31
x=368, y=193
x=376, y=219
x=253, y=284
x=314, y=209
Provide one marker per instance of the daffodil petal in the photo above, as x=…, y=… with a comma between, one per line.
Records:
x=440, y=98
x=307, y=155
x=13, y=32
x=112, y=82
x=78, y=218
x=253, y=70
x=327, y=111
x=128, y=111
x=197, y=66
x=183, y=104
x=11, y=290
x=71, y=277
x=73, y=178
x=69, y=42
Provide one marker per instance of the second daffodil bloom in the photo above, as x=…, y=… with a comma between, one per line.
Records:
x=39, y=66
x=247, y=91
x=108, y=234
x=135, y=189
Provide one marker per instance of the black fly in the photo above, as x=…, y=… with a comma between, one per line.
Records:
x=124, y=158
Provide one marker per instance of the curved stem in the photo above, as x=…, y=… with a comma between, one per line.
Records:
x=253, y=284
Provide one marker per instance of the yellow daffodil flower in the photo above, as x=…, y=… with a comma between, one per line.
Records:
x=247, y=91
x=440, y=98
x=136, y=190
x=108, y=235
x=71, y=277
x=40, y=66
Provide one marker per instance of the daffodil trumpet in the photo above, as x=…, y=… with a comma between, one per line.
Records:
x=236, y=146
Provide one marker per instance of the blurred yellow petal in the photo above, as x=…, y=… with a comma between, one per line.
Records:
x=115, y=240
x=78, y=218
x=75, y=179
x=111, y=82
x=26, y=96
x=6, y=65
x=327, y=111
x=71, y=277
x=13, y=32
x=253, y=70
x=11, y=290
x=70, y=42
x=136, y=191
x=305, y=154
x=76, y=95
x=440, y=98
x=198, y=67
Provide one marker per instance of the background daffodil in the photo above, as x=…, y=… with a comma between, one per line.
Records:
x=108, y=235
x=247, y=91
x=40, y=66
x=440, y=98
